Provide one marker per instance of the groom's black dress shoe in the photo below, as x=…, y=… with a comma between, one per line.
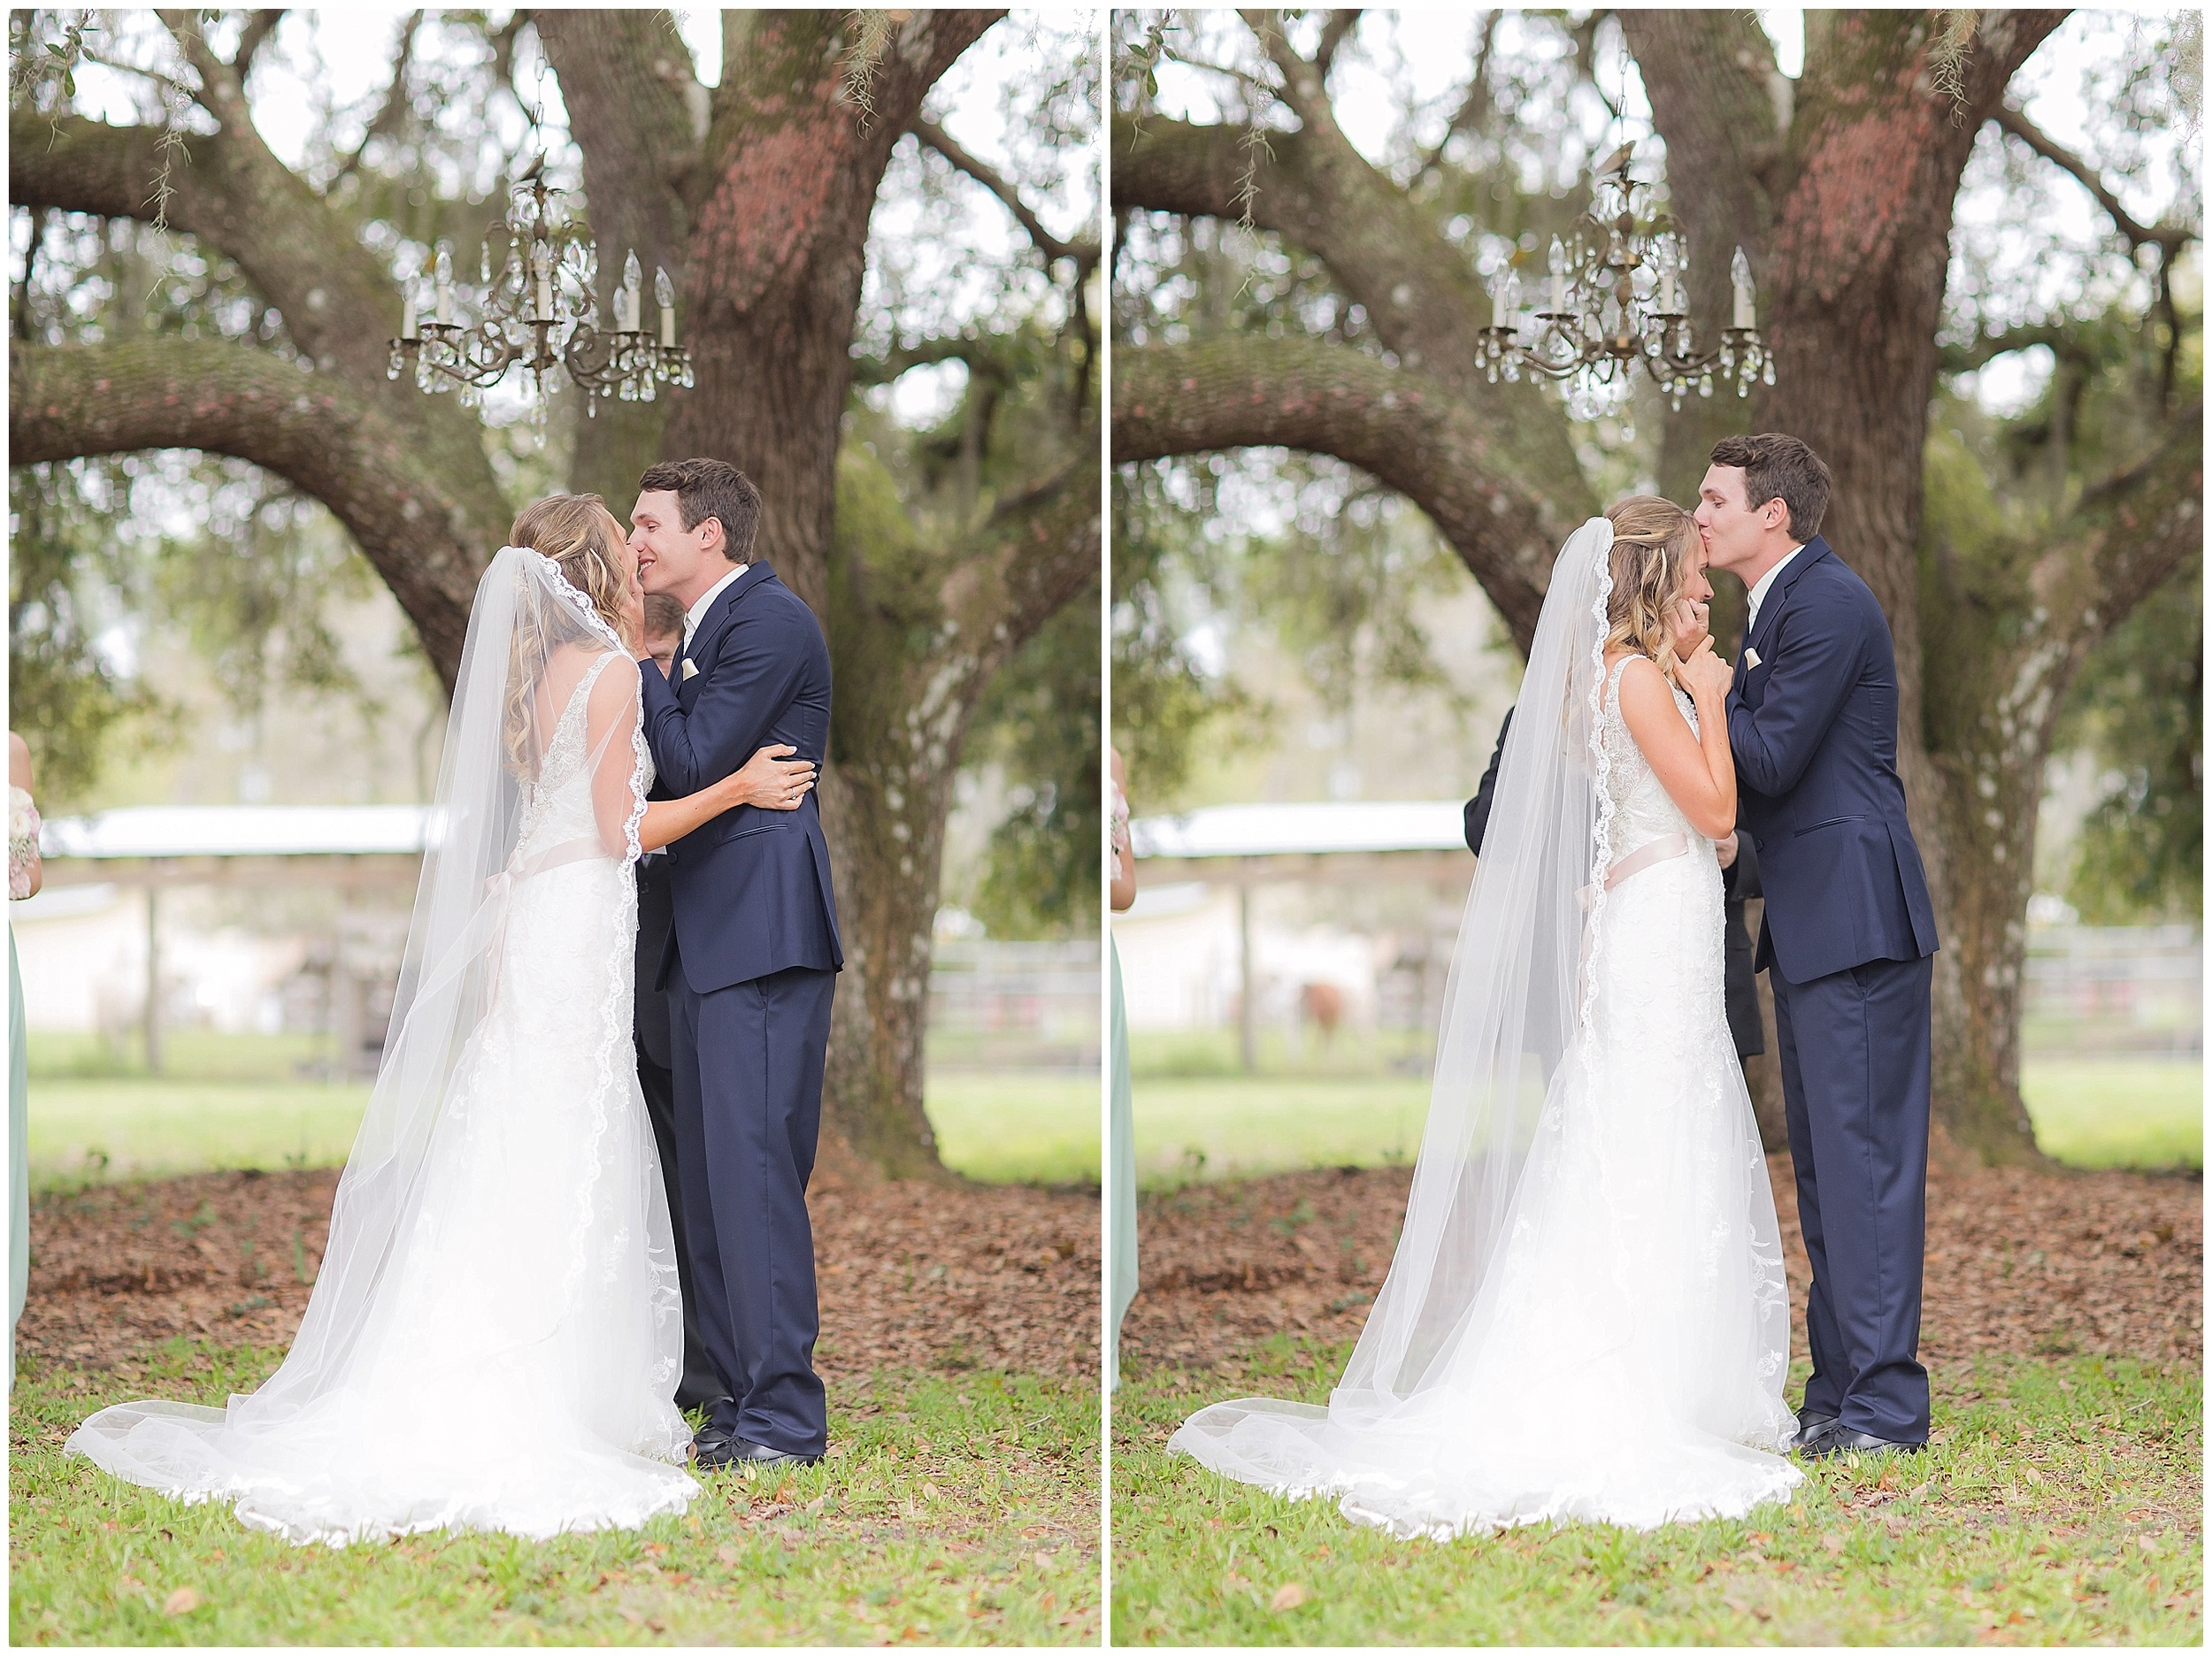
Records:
x=724, y=1449
x=708, y=1440
x=1836, y=1441
x=1810, y=1427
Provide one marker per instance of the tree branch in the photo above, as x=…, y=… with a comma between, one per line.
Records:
x=1334, y=33
x=981, y=354
x=1303, y=91
x=259, y=25
x=2144, y=522
x=2167, y=239
x=1422, y=297
x=1984, y=348
x=307, y=428
x=167, y=83
x=629, y=85
x=391, y=114
x=225, y=188
x=1084, y=253
x=1476, y=105
x=1408, y=431
x=1047, y=539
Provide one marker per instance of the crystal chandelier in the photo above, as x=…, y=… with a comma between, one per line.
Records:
x=542, y=315
x=1616, y=298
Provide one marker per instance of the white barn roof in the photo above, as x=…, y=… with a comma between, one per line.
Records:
x=227, y=831
x=1345, y=825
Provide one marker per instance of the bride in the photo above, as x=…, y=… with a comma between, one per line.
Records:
x=1585, y=1317
x=494, y=1337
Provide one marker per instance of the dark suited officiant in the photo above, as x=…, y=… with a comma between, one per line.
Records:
x=697, y=1386
x=1738, y=884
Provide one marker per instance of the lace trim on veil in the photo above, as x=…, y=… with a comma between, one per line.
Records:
x=665, y=1302
x=640, y=754
x=1602, y=765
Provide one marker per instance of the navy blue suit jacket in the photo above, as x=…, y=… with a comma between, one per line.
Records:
x=1813, y=728
x=751, y=887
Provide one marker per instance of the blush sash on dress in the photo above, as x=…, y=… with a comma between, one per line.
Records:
x=1644, y=855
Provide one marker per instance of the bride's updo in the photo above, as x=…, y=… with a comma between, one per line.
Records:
x=1655, y=553
x=582, y=540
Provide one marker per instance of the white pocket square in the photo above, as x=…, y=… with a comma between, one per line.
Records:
x=1750, y=658
x=691, y=669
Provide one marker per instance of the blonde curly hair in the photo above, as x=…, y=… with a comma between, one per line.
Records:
x=1655, y=553
x=582, y=540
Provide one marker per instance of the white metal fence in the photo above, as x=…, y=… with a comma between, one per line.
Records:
x=1014, y=1006
x=2098, y=991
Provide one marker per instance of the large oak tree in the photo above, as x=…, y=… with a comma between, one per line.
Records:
x=756, y=195
x=1840, y=184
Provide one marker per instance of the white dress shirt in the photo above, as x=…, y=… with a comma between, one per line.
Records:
x=698, y=611
x=1758, y=593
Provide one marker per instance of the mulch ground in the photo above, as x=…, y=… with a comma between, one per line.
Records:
x=2018, y=1261
x=912, y=1275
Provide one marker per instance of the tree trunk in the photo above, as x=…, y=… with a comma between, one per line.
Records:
x=775, y=259
x=2007, y=632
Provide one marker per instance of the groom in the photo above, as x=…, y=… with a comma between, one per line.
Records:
x=752, y=959
x=1848, y=935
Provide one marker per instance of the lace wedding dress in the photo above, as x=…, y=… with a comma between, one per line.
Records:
x=1588, y=1317
x=494, y=1339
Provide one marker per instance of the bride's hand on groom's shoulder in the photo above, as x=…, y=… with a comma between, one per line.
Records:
x=772, y=779
x=1703, y=674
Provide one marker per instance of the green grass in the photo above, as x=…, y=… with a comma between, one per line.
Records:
x=186, y=1055
x=1249, y=1125
x=1005, y=1128
x=1197, y=1054
x=1036, y=1127
x=952, y=1511
x=2060, y=1503
x=163, y=1129
x=2131, y=1113
x=2118, y=1112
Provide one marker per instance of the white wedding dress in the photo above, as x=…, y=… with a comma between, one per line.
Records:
x=1609, y=1343
x=493, y=1341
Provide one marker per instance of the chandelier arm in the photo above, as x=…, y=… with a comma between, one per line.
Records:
x=593, y=358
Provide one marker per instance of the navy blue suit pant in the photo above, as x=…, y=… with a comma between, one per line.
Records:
x=749, y=1112
x=1854, y=1051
